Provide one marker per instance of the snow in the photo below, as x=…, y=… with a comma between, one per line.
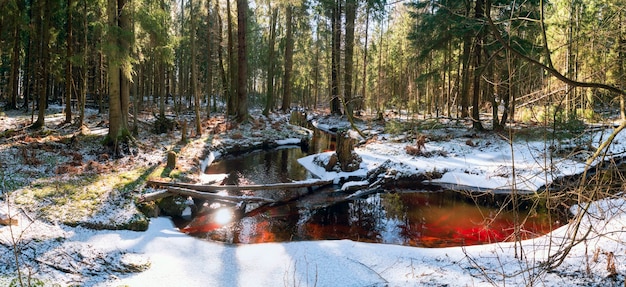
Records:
x=179, y=260
x=171, y=258
x=290, y=141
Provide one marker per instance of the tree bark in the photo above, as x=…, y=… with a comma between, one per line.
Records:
x=68, y=65
x=242, y=61
x=465, y=71
x=252, y=187
x=478, y=69
x=15, y=65
x=220, y=55
x=210, y=65
x=194, y=69
x=621, y=46
x=349, y=53
x=269, y=98
x=364, y=84
x=44, y=36
x=335, y=105
x=119, y=85
x=83, y=69
x=231, y=103
x=286, y=105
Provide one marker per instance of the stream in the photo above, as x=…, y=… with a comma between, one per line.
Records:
x=423, y=218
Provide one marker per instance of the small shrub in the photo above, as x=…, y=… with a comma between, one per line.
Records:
x=162, y=125
x=395, y=127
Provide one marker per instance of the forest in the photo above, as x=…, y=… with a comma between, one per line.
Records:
x=529, y=61
x=417, y=142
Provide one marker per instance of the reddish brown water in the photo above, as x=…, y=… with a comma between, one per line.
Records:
x=429, y=219
x=414, y=218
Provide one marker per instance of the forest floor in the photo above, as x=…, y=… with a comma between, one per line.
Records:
x=74, y=203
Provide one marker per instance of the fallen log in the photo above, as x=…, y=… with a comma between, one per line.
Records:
x=216, y=188
x=231, y=198
x=152, y=196
x=191, y=186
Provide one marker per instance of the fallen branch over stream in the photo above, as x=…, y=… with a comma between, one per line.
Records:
x=216, y=188
x=210, y=191
x=214, y=196
x=152, y=196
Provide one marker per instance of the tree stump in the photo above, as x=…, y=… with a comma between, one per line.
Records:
x=348, y=159
x=332, y=162
x=171, y=160
x=183, y=132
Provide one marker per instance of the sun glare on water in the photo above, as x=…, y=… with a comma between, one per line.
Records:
x=223, y=216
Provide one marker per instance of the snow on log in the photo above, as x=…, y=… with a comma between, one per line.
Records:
x=152, y=196
x=198, y=194
x=192, y=186
x=269, y=186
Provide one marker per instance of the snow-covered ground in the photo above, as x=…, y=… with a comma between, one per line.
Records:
x=163, y=256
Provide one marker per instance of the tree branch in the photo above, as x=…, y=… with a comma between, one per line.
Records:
x=551, y=70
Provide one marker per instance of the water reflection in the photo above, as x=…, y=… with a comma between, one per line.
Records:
x=414, y=218
x=260, y=167
x=428, y=219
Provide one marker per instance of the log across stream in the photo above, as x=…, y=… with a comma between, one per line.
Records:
x=321, y=211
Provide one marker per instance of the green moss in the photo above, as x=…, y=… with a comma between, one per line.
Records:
x=173, y=205
x=139, y=222
x=76, y=200
x=150, y=209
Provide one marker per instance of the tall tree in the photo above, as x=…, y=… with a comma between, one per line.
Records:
x=351, y=6
x=68, y=63
x=231, y=104
x=242, y=64
x=365, y=60
x=220, y=55
x=194, y=68
x=15, y=14
x=479, y=11
x=335, y=14
x=119, y=38
x=287, y=79
x=271, y=51
x=82, y=95
x=621, y=46
x=45, y=8
x=210, y=64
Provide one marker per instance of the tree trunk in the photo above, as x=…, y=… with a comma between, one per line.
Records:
x=621, y=46
x=209, y=73
x=316, y=68
x=119, y=88
x=15, y=65
x=349, y=52
x=194, y=69
x=44, y=35
x=335, y=105
x=220, y=55
x=68, y=65
x=478, y=69
x=83, y=81
x=288, y=59
x=364, y=84
x=269, y=99
x=231, y=104
x=29, y=65
x=242, y=61
x=465, y=78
